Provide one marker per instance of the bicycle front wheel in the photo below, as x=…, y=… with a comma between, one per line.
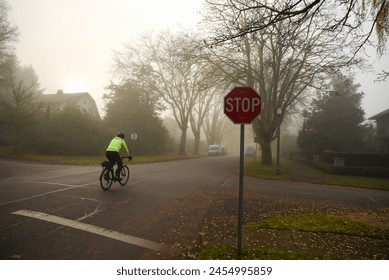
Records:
x=106, y=179
x=125, y=174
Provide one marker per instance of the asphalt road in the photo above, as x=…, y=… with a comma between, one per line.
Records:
x=60, y=212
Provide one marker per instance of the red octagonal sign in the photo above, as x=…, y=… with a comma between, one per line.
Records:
x=242, y=105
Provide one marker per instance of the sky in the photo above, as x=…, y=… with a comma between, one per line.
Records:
x=70, y=43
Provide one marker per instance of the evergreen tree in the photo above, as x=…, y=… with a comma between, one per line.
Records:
x=131, y=109
x=335, y=121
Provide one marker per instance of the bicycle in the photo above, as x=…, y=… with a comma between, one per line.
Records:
x=107, y=176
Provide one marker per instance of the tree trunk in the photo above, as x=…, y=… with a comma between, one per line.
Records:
x=182, y=150
x=196, y=147
x=16, y=140
x=266, y=158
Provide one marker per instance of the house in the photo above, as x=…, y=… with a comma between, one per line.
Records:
x=382, y=136
x=82, y=100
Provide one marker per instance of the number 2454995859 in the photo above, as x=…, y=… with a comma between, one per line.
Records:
x=237, y=270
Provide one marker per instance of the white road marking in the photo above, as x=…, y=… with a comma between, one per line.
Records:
x=59, y=184
x=97, y=210
x=97, y=230
x=46, y=193
x=38, y=195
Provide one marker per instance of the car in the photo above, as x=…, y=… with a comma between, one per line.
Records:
x=214, y=150
x=250, y=151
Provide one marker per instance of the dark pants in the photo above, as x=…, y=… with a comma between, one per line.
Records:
x=115, y=157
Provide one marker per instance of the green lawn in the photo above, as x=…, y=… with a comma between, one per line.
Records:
x=256, y=169
x=315, y=222
x=295, y=171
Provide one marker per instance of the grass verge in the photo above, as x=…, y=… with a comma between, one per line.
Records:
x=295, y=171
x=256, y=169
x=313, y=222
x=82, y=160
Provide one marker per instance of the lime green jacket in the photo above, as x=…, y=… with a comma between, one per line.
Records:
x=116, y=144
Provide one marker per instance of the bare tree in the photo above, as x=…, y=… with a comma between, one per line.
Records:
x=350, y=16
x=382, y=76
x=180, y=83
x=197, y=116
x=215, y=124
x=181, y=79
x=211, y=89
x=8, y=32
x=19, y=88
x=281, y=63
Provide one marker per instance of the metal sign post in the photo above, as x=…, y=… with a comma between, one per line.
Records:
x=241, y=105
x=134, y=136
x=241, y=173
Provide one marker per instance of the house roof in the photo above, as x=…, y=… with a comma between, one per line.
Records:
x=64, y=97
x=68, y=98
x=380, y=115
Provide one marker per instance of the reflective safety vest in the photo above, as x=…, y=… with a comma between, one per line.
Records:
x=116, y=144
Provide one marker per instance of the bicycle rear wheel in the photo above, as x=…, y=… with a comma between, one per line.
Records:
x=106, y=179
x=125, y=174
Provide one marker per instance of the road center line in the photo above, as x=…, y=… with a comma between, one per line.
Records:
x=97, y=230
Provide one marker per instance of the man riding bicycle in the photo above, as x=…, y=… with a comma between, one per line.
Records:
x=112, y=152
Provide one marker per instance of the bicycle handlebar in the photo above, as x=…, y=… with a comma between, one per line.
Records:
x=128, y=157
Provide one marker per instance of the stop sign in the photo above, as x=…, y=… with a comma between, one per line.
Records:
x=242, y=105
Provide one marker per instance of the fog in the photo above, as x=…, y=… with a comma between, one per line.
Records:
x=70, y=43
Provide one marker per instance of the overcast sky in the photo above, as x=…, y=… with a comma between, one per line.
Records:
x=70, y=43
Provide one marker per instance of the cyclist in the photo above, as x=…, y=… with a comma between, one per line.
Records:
x=112, y=152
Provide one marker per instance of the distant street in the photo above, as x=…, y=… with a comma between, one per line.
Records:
x=60, y=211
